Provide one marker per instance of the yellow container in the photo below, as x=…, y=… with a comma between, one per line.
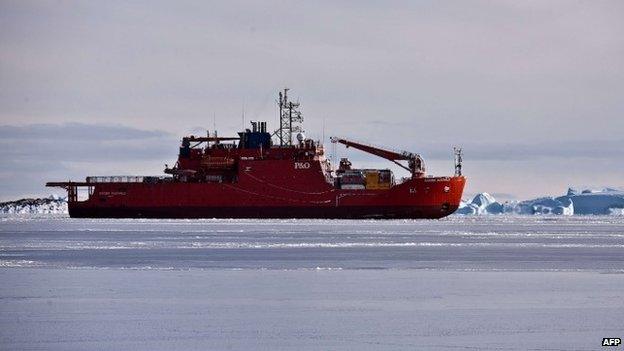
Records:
x=372, y=180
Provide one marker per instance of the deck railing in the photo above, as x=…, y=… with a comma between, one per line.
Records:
x=115, y=179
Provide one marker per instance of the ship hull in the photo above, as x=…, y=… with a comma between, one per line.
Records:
x=351, y=212
x=415, y=198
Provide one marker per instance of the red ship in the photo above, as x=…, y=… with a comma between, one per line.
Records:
x=253, y=176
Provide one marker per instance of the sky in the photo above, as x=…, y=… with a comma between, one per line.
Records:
x=532, y=90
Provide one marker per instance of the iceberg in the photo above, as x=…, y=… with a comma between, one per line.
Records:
x=50, y=205
x=546, y=205
x=483, y=203
x=607, y=201
x=466, y=208
x=598, y=202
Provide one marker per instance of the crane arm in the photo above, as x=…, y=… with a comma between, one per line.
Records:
x=415, y=162
x=388, y=155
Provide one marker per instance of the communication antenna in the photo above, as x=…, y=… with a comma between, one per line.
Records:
x=243, y=116
x=323, y=135
x=458, y=160
x=290, y=116
x=214, y=122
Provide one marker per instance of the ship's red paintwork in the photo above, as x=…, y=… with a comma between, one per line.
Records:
x=258, y=196
x=270, y=186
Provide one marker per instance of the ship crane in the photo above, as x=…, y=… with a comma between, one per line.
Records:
x=415, y=163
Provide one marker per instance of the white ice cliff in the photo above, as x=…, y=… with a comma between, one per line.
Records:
x=49, y=205
x=606, y=201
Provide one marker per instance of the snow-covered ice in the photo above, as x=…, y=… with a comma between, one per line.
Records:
x=60, y=309
x=493, y=282
x=500, y=242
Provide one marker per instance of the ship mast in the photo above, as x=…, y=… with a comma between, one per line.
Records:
x=290, y=116
x=458, y=161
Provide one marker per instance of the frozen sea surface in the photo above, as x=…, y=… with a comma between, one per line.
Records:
x=498, y=283
x=485, y=243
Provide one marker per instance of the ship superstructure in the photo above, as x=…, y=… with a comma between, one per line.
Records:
x=263, y=174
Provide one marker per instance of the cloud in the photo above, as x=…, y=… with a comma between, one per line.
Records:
x=34, y=154
x=608, y=149
x=76, y=132
x=497, y=151
x=74, y=142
